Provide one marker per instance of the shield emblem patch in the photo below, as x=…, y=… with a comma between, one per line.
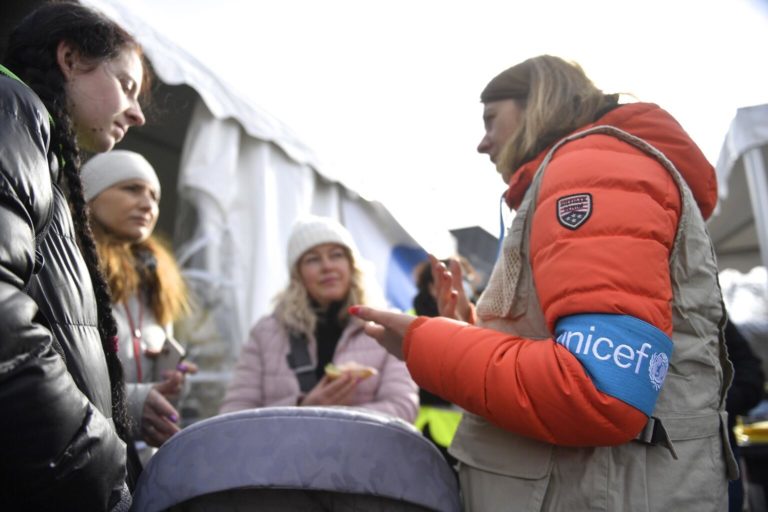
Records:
x=574, y=210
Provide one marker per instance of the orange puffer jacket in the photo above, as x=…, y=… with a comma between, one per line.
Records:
x=616, y=262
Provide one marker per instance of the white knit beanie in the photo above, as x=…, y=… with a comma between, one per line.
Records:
x=312, y=230
x=106, y=169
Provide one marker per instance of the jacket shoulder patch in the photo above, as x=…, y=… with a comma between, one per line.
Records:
x=574, y=210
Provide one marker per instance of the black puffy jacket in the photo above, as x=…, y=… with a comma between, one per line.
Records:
x=58, y=446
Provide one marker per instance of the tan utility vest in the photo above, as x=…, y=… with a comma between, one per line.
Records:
x=686, y=466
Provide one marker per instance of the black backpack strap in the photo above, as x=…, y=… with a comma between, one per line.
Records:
x=133, y=464
x=300, y=362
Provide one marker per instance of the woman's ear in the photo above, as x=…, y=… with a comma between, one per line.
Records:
x=67, y=57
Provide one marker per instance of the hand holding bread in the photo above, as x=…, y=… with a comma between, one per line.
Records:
x=356, y=369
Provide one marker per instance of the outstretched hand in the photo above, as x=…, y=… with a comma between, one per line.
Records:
x=452, y=301
x=386, y=327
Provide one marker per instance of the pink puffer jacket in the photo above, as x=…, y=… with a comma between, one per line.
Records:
x=263, y=378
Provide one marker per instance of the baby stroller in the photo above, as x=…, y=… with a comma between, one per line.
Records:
x=298, y=458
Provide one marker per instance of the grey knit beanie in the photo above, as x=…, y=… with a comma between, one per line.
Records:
x=106, y=169
x=312, y=230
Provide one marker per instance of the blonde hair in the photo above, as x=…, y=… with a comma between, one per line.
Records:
x=293, y=307
x=166, y=291
x=560, y=99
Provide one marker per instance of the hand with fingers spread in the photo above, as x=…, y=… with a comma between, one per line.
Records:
x=159, y=419
x=386, y=327
x=452, y=300
x=328, y=391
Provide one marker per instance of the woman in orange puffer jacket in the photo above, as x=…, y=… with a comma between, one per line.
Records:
x=595, y=373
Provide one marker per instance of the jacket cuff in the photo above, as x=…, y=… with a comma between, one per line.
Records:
x=136, y=397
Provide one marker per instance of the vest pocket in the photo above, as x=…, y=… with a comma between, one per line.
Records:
x=500, y=470
x=480, y=444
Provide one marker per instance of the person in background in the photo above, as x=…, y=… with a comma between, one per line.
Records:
x=438, y=418
x=593, y=369
x=284, y=360
x=147, y=289
x=746, y=391
x=424, y=303
x=71, y=81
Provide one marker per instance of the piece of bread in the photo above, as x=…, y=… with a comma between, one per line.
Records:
x=358, y=370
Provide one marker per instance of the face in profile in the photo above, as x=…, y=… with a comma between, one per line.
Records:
x=501, y=119
x=103, y=98
x=127, y=210
x=326, y=272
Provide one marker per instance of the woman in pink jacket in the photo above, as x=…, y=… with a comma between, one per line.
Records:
x=284, y=360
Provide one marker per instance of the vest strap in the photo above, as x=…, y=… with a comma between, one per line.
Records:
x=300, y=362
x=663, y=432
x=655, y=434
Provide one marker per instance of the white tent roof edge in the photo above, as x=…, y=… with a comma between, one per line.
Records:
x=175, y=66
x=741, y=152
x=748, y=130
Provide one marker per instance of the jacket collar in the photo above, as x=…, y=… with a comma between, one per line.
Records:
x=10, y=74
x=656, y=126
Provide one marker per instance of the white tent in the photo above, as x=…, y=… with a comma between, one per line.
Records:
x=244, y=178
x=739, y=228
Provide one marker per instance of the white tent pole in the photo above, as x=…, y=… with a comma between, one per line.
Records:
x=757, y=183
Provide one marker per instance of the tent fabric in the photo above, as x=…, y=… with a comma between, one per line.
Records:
x=748, y=130
x=736, y=227
x=337, y=450
x=239, y=195
x=174, y=66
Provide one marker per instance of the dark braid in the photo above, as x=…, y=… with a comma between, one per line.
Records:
x=32, y=55
x=70, y=155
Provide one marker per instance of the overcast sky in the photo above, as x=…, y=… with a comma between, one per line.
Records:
x=386, y=93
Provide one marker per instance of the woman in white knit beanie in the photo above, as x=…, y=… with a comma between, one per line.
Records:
x=148, y=292
x=292, y=355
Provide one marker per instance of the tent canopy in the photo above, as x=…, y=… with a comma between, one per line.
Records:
x=739, y=227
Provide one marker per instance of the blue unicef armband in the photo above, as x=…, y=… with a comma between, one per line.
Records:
x=624, y=356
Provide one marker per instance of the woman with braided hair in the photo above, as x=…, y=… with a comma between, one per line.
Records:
x=72, y=82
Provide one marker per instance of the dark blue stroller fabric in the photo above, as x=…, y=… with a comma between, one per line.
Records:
x=298, y=458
